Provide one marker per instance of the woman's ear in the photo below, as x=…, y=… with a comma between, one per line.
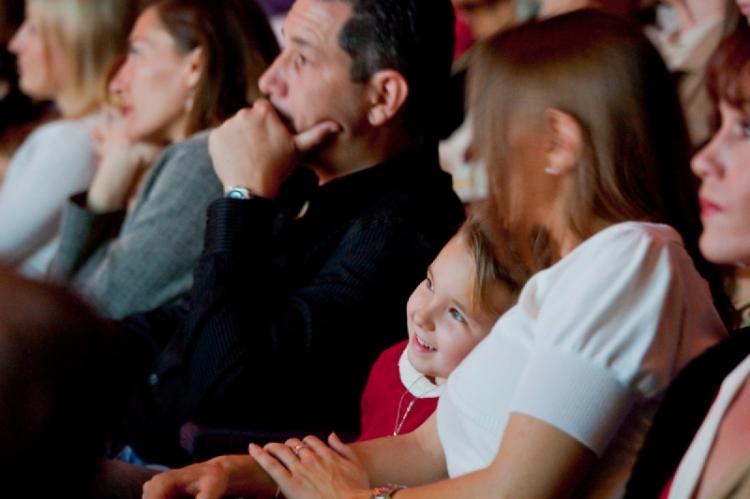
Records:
x=388, y=92
x=565, y=142
x=194, y=63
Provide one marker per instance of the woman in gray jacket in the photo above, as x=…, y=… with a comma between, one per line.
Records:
x=130, y=242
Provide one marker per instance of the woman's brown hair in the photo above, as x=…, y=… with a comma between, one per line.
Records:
x=729, y=70
x=601, y=70
x=238, y=45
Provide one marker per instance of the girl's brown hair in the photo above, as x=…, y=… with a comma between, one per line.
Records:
x=238, y=45
x=494, y=265
x=601, y=70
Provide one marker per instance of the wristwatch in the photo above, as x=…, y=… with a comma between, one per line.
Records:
x=386, y=491
x=238, y=192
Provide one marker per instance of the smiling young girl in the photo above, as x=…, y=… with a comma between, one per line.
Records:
x=466, y=289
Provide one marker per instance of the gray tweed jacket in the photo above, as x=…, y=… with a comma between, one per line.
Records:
x=126, y=263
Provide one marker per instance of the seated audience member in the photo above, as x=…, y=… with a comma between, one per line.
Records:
x=466, y=289
x=19, y=114
x=714, y=386
x=484, y=18
x=130, y=242
x=56, y=390
x=63, y=49
x=549, y=8
x=305, y=270
x=590, y=176
x=686, y=33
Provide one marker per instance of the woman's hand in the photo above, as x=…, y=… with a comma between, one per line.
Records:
x=311, y=469
x=121, y=163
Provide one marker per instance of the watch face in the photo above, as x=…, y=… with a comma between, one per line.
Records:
x=238, y=193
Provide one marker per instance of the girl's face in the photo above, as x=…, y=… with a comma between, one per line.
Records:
x=41, y=66
x=723, y=166
x=443, y=321
x=154, y=83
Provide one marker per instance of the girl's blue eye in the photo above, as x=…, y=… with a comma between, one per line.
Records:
x=745, y=128
x=428, y=283
x=456, y=314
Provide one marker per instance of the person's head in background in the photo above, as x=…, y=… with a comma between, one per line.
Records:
x=57, y=389
x=722, y=165
x=63, y=49
x=191, y=64
x=377, y=68
x=486, y=17
x=549, y=8
x=584, y=132
x=468, y=286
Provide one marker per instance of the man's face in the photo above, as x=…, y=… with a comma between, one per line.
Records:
x=309, y=82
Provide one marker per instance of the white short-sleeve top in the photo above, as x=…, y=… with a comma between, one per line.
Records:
x=590, y=347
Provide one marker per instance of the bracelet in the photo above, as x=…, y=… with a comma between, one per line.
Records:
x=386, y=492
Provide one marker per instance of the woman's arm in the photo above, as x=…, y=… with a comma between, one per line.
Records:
x=535, y=460
x=412, y=458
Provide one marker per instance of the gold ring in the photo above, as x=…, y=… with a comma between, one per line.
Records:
x=297, y=448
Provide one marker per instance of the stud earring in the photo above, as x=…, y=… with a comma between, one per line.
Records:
x=549, y=170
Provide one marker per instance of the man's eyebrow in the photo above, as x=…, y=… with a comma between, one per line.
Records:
x=302, y=42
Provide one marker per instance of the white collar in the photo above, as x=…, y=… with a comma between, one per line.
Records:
x=416, y=382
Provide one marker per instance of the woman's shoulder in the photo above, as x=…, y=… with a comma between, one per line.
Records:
x=65, y=130
x=623, y=242
x=633, y=232
x=193, y=150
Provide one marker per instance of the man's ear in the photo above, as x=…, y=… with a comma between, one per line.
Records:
x=194, y=63
x=564, y=142
x=387, y=94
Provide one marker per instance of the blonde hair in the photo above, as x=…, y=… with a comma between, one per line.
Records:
x=89, y=34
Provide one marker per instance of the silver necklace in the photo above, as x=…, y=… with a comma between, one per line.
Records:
x=401, y=419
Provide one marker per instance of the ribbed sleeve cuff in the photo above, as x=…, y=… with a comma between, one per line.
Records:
x=582, y=399
x=233, y=224
x=80, y=216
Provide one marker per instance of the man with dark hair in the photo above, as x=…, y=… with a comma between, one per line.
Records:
x=306, y=269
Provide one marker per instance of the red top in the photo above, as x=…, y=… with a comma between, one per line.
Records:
x=384, y=391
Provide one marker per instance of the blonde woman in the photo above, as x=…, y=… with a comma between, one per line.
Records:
x=63, y=48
